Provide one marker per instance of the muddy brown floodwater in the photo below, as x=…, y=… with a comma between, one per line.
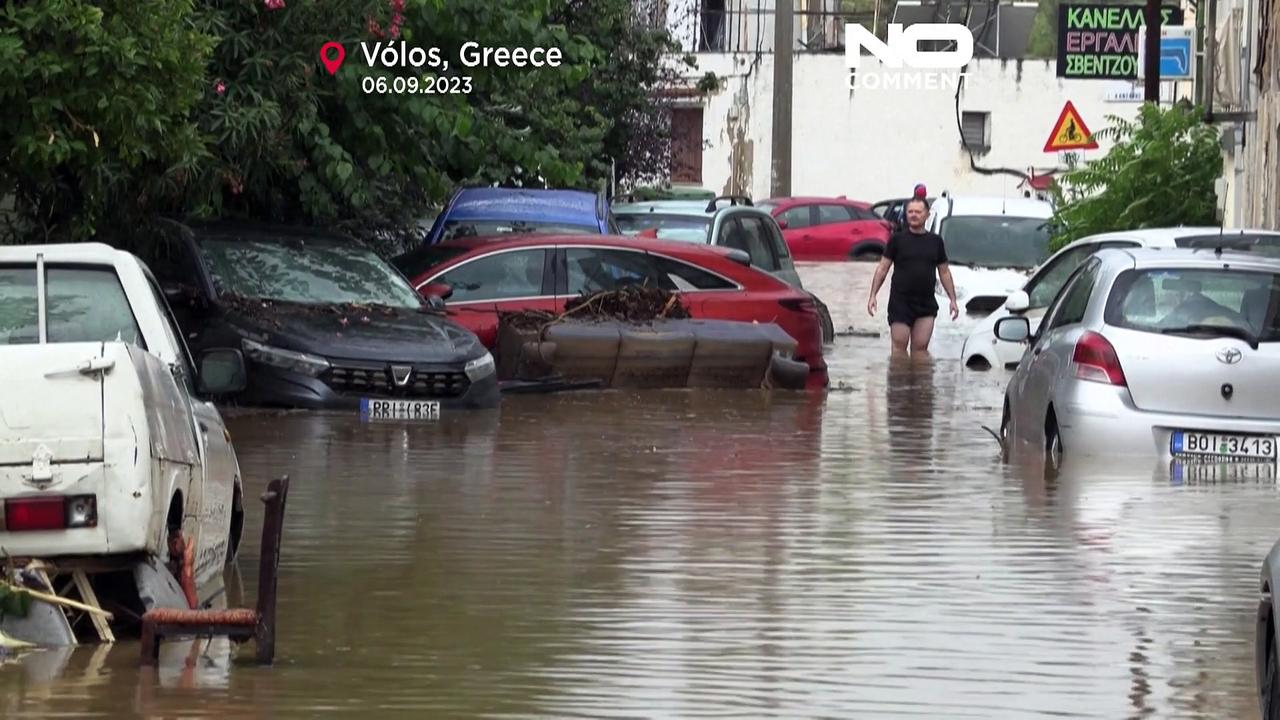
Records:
x=675, y=554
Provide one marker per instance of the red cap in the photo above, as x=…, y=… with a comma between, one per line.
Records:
x=921, y=191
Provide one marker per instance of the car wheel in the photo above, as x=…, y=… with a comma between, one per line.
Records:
x=871, y=253
x=1053, y=450
x=828, y=327
x=1269, y=681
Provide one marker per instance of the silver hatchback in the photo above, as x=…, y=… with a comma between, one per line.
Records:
x=1171, y=353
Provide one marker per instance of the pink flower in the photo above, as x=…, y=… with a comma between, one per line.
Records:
x=220, y=87
x=273, y=4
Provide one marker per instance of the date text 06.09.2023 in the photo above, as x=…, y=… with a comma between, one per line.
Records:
x=425, y=85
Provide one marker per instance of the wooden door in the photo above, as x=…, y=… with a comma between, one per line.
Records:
x=686, y=145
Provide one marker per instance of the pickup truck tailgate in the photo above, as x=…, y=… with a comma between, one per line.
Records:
x=52, y=402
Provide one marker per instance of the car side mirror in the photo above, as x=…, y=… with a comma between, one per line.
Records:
x=439, y=291
x=436, y=303
x=1018, y=302
x=1013, y=329
x=782, y=224
x=222, y=372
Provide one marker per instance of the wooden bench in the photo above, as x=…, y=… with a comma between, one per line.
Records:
x=238, y=624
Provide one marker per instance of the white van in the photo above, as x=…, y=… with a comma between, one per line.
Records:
x=109, y=449
x=992, y=244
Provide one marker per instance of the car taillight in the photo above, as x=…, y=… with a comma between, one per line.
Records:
x=1096, y=360
x=798, y=304
x=50, y=513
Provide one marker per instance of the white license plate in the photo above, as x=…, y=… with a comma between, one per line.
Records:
x=1221, y=445
x=411, y=410
x=1193, y=473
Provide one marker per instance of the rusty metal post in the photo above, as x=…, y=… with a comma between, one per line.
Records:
x=269, y=566
x=150, y=647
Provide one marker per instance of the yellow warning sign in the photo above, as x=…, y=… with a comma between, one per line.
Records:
x=1070, y=132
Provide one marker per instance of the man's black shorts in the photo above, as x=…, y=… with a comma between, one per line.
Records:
x=906, y=309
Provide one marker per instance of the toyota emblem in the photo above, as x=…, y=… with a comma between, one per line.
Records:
x=1229, y=355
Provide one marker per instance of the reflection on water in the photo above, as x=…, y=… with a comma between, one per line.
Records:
x=686, y=554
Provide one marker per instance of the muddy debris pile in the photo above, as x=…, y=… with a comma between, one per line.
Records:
x=629, y=304
x=641, y=337
x=632, y=304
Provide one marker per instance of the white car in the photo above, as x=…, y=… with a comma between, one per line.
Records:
x=1166, y=353
x=982, y=351
x=109, y=451
x=992, y=245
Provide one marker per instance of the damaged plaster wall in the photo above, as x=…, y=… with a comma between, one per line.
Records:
x=871, y=144
x=737, y=123
x=741, y=147
x=1259, y=160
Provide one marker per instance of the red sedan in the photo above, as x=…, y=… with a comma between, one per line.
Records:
x=481, y=277
x=823, y=229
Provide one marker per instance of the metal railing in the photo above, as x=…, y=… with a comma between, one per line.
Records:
x=751, y=29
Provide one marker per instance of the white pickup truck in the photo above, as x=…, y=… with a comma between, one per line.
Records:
x=108, y=446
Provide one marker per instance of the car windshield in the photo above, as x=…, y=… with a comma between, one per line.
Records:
x=1198, y=302
x=678, y=226
x=1044, y=287
x=996, y=241
x=83, y=304
x=310, y=271
x=484, y=228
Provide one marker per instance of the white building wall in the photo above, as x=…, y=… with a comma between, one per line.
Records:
x=873, y=144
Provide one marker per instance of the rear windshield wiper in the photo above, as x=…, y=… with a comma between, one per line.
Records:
x=1220, y=330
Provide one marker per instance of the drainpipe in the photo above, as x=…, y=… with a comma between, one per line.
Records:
x=1210, y=61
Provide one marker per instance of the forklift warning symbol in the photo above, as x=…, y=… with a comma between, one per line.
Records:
x=1070, y=132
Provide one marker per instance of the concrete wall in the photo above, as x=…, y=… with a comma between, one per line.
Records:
x=872, y=144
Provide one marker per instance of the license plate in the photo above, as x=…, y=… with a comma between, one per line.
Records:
x=1221, y=445
x=411, y=410
x=1193, y=473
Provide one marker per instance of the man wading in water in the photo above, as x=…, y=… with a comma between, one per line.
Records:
x=915, y=256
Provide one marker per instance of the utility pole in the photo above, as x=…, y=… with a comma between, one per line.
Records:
x=783, y=43
x=1152, y=69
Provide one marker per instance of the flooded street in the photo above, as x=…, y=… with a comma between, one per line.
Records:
x=863, y=553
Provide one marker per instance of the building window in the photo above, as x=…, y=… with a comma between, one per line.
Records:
x=713, y=23
x=975, y=128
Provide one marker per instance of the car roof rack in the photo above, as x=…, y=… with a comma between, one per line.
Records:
x=733, y=200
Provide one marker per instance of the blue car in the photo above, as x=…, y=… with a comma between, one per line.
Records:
x=485, y=211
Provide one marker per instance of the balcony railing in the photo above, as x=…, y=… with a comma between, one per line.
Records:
x=752, y=30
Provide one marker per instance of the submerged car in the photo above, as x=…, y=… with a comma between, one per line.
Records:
x=496, y=211
x=983, y=351
x=480, y=278
x=322, y=320
x=739, y=225
x=1267, y=638
x=819, y=229
x=111, y=453
x=992, y=244
x=1171, y=353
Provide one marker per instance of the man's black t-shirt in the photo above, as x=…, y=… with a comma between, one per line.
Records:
x=915, y=257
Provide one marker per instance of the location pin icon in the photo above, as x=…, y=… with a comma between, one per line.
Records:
x=332, y=63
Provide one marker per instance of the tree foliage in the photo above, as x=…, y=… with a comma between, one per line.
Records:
x=226, y=110
x=97, y=120
x=1161, y=172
